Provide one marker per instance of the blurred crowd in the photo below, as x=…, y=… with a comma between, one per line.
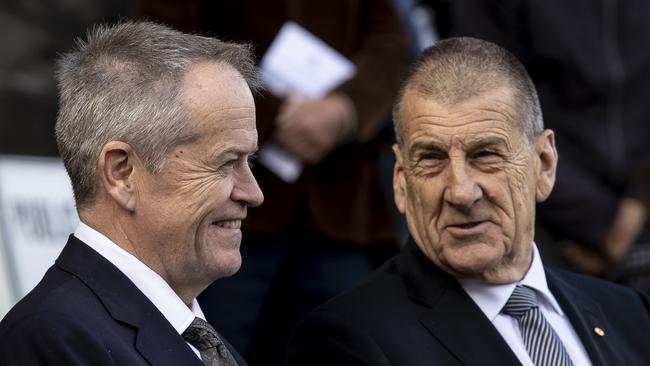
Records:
x=325, y=232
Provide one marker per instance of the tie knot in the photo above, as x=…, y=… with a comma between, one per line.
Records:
x=522, y=299
x=201, y=335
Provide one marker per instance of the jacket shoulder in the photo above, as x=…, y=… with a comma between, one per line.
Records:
x=58, y=322
x=58, y=292
x=606, y=292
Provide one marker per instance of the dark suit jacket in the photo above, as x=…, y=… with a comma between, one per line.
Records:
x=411, y=313
x=86, y=312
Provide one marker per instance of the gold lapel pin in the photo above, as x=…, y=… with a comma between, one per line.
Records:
x=599, y=331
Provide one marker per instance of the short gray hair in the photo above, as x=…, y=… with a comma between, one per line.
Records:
x=456, y=69
x=123, y=84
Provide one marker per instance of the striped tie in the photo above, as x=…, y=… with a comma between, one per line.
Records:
x=543, y=344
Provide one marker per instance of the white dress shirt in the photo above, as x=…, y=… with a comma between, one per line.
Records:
x=154, y=287
x=492, y=298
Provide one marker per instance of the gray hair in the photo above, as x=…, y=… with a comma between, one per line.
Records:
x=456, y=69
x=123, y=84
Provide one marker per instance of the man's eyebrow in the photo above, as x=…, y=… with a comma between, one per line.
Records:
x=239, y=152
x=427, y=146
x=218, y=156
x=487, y=142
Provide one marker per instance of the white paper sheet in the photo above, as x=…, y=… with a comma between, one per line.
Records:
x=299, y=64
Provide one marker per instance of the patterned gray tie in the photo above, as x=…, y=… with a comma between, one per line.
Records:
x=543, y=344
x=203, y=337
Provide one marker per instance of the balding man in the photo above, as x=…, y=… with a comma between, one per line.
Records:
x=156, y=129
x=470, y=288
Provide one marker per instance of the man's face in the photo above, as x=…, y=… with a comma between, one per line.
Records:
x=467, y=179
x=191, y=212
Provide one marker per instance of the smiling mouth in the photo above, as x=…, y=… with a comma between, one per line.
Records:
x=228, y=224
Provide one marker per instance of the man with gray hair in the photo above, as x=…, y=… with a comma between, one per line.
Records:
x=469, y=288
x=156, y=129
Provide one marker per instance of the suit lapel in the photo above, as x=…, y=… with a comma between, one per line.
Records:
x=156, y=340
x=162, y=350
x=585, y=316
x=449, y=314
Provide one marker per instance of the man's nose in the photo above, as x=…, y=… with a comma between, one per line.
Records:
x=246, y=189
x=462, y=189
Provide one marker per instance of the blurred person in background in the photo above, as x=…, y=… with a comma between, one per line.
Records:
x=323, y=233
x=593, y=81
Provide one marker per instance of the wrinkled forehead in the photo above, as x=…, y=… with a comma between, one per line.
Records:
x=492, y=112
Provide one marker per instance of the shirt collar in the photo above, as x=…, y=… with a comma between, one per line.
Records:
x=491, y=298
x=154, y=287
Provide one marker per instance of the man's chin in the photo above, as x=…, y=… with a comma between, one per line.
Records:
x=234, y=264
x=474, y=261
x=224, y=264
x=495, y=272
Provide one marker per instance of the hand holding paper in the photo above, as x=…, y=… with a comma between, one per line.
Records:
x=310, y=129
x=311, y=125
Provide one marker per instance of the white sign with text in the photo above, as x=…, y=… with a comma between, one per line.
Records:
x=37, y=214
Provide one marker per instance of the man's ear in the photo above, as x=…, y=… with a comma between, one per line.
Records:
x=399, y=181
x=547, y=154
x=116, y=173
